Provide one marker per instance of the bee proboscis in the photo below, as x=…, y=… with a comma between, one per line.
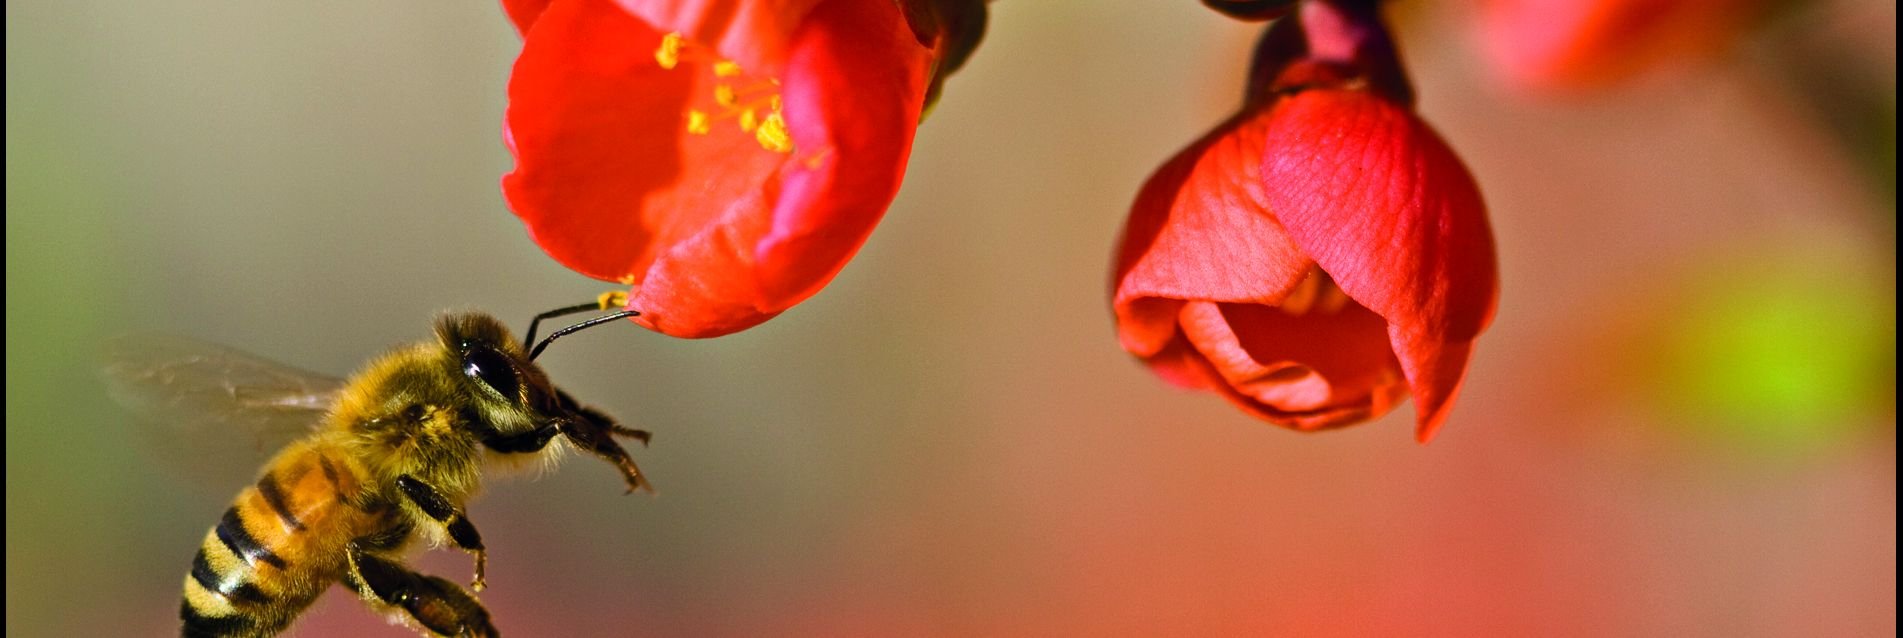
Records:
x=387, y=456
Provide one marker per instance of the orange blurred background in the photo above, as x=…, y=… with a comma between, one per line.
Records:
x=1681, y=423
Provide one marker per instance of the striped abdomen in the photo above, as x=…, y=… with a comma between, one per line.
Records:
x=278, y=546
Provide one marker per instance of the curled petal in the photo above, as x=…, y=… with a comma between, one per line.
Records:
x=1308, y=370
x=1200, y=229
x=1382, y=205
x=1435, y=371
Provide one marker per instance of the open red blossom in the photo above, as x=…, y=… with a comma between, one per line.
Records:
x=1320, y=256
x=725, y=158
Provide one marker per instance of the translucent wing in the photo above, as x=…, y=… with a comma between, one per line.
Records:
x=213, y=405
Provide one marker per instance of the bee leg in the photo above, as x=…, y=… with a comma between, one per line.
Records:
x=530, y=441
x=594, y=431
x=438, y=605
x=595, y=415
x=596, y=438
x=602, y=420
x=461, y=531
x=639, y=435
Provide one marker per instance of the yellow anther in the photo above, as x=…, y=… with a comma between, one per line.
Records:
x=772, y=134
x=612, y=299
x=669, y=55
x=755, y=103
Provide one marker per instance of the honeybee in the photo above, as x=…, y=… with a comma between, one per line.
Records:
x=387, y=456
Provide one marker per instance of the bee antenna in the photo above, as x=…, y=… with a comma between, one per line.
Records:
x=577, y=327
x=610, y=299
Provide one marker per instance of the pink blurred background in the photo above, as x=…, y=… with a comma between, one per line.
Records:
x=1682, y=422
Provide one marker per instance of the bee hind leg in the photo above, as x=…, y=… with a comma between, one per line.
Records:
x=439, y=606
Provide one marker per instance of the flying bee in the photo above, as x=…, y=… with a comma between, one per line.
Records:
x=387, y=456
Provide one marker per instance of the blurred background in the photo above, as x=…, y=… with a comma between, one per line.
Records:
x=1682, y=422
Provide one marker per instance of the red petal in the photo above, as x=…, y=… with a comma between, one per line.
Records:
x=1309, y=370
x=704, y=286
x=1180, y=363
x=1386, y=208
x=524, y=12
x=1435, y=371
x=854, y=87
x=1200, y=229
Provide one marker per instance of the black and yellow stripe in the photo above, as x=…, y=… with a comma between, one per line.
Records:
x=198, y=625
x=249, y=577
x=236, y=538
x=223, y=597
x=235, y=591
x=274, y=496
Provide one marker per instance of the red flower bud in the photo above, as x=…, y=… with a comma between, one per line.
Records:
x=724, y=158
x=1314, y=260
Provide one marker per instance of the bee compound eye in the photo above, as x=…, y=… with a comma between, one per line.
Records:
x=492, y=369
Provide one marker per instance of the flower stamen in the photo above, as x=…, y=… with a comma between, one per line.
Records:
x=669, y=55
x=697, y=122
x=772, y=134
x=755, y=104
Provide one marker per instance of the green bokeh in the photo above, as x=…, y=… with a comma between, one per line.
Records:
x=1784, y=357
x=65, y=457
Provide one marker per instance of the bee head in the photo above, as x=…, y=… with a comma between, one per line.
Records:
x=518, y=408
x=510, y=394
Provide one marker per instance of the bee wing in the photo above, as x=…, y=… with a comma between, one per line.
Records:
x=213, y=405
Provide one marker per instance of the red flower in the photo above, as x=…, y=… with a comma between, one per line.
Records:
x=1585, y=44
x=724, y=158
x=1320, y=256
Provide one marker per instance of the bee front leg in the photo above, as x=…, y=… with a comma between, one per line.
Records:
x=438, y=605
x=595, y=437
x=594, y=432
x=530, y=441
x=461, y=532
